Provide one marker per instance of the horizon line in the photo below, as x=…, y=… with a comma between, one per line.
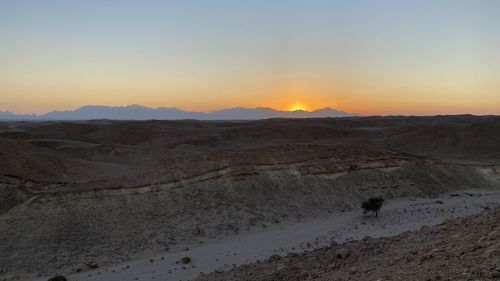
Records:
x=174, y=108
x=19, y=116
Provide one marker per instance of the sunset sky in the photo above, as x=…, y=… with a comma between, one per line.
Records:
x=368, y=57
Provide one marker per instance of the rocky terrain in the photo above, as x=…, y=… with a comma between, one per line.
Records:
x=461, y=249
x=74, y=194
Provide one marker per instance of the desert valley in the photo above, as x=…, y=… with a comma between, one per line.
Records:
x=275, y=199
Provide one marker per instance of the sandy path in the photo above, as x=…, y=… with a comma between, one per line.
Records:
x=397, y=216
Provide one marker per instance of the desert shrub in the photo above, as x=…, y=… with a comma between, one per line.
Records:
x=373, y=204
x=92, y=265
x=186, y=260
x=58, y=278
x=274, y=257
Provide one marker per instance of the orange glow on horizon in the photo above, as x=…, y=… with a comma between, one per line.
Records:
x=298, y=106
x=305, y=95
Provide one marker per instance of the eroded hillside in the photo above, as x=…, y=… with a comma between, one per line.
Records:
x=104, y=191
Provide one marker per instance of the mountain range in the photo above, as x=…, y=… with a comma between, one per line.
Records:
x=138, y=112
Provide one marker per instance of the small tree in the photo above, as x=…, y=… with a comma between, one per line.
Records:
x=373, y=204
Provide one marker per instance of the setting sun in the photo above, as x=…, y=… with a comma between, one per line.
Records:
x=298, y=106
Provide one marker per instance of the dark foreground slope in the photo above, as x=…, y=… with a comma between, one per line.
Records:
x=74, y=193
x=462, y=249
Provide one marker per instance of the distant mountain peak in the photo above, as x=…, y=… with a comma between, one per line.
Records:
x=140, y=112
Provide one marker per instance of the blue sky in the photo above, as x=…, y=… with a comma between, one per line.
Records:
x=364, y=56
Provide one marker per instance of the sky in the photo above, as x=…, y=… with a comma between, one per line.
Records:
x=370, y=57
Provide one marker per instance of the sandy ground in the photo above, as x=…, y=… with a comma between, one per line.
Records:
x=397, y=216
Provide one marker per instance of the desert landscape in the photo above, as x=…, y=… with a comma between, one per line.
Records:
x=249, y=140
x=128, y=200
